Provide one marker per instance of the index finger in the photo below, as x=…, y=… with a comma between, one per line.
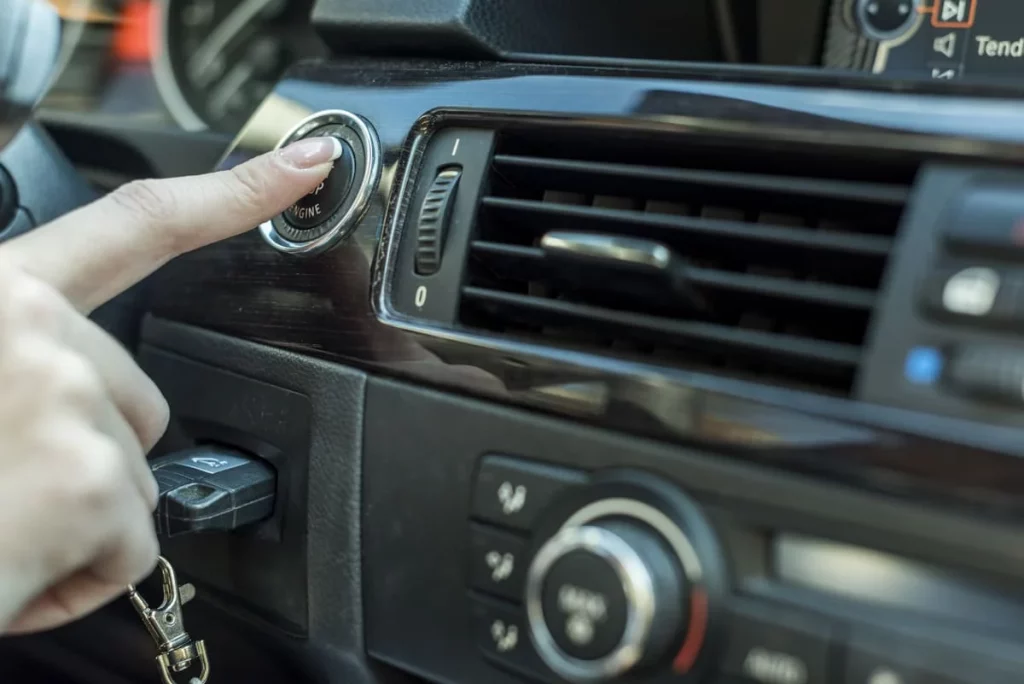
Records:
x=102, y=249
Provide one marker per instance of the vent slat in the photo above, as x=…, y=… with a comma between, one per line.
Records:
x=531, y=259
x=766, y=286
x=742, y=257
x=695, y=332
x=614, y=178
x=549, y=216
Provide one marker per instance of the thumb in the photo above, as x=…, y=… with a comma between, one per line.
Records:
x=100, y=250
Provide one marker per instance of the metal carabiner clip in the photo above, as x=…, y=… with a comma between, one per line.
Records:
x=165, y=625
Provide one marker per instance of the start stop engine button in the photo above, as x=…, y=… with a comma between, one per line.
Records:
x=319, y=205
x=330, y=214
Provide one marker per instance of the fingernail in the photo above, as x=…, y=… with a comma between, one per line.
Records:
x=305, y=154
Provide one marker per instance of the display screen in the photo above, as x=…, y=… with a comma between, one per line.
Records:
x=890, y=581
x=973, y=40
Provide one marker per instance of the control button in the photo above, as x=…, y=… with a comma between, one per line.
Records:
x=869, y=666
x=878, y=658
x=989, y=220
x=969, y=291
x=953, y=13
x=498, y=562
x=775, y=646
x=317, y=206
x=501, y=635
x=328, y=215
x=584, y=605
x=989, y=372
x=886, y=19
x=434, y=217
x=513, y=493
x=980, y=294
x=604, y=598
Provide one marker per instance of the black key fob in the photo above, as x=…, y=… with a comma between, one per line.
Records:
x=211, y=488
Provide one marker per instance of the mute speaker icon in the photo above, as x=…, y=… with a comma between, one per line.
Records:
x=946, y=44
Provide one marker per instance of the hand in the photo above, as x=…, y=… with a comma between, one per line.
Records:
x=77, y=415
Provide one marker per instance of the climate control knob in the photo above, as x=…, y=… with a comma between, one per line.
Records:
x=604, y=598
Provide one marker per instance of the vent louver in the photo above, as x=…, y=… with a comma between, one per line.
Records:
x=745, y=261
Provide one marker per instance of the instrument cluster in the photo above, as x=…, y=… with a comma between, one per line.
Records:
x=218, y=59
x=194, y=64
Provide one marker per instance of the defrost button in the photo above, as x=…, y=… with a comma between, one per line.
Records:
x=513, y=493
x=502, y=636
x=497, y=562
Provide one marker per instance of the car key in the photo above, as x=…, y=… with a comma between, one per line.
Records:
x=209, y=489
x=178, y=652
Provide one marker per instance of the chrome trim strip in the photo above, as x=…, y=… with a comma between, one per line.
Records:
x=651, y=516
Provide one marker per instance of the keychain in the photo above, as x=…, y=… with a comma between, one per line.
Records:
x=177, y=650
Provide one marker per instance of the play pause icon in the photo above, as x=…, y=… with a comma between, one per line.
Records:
x=954, y=10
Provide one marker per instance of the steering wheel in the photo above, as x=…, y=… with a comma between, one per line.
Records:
x=37, y=182
x=26, y=65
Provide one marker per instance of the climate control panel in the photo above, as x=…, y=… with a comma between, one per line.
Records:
x=619, y=576
x=606, y=577
x=506, y=547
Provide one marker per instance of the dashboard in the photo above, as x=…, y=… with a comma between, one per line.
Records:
x=639, y=343
x=208, y=64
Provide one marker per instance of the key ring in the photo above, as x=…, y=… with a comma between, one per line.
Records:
x=165, y=625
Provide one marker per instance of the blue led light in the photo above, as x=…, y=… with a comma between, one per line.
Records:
x=923, y=366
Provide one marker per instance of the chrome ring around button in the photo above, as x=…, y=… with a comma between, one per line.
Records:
x=363, y=191
x=637, y=584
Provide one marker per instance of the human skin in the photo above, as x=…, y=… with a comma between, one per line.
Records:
x=77, y=414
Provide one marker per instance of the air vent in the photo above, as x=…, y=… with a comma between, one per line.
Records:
x=743, y=260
